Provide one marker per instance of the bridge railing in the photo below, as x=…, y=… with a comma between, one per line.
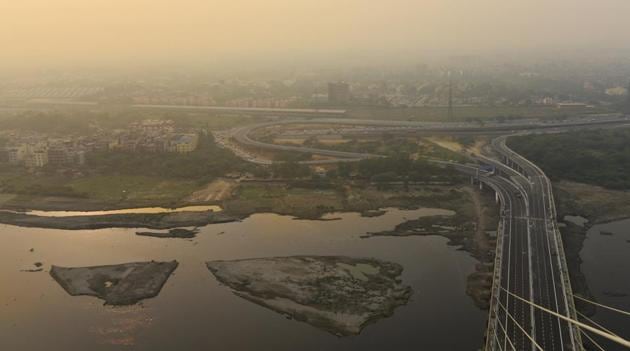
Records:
x=564, y=271
x=563, y=264
x=496, y=276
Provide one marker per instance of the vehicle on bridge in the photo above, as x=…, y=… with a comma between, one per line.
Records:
x=487, y=170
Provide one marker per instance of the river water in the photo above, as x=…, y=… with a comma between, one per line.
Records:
x=606, y=265
x=195, y=312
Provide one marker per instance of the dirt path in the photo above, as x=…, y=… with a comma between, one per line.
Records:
x=217, y=190
x=481, y=238
x=479, y=283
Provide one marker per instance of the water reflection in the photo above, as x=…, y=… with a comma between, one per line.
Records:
x=193, y=311
x=606, y=266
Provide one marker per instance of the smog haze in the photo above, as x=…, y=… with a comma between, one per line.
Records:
x=42, y=33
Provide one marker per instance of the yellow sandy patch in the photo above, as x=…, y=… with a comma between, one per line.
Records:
x=447, y=143
x=333, y=141
x=292, y=141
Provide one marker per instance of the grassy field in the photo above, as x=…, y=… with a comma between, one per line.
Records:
x=280, y=198
x=94, y=192
x=134, y=189
x=312, y=203
x=593, y=202
x=304, y=201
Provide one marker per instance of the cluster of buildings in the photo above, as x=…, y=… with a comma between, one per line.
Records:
x=261, y=102
x=56, y=152
x=339, y=93
x=207, y=100
x=38, y=150
x=152, y=135
x=183, y=100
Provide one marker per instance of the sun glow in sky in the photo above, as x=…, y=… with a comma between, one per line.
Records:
x=35, y=32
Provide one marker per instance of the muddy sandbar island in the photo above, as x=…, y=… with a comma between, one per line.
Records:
x=122, y=284
x=338, y=294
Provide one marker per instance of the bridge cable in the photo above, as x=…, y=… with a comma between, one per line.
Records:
x=496, y=337
x=602, y=306
x=506, y=334
x=521, y=328
x=611, y=337
x=592, y=340
x=596, y=324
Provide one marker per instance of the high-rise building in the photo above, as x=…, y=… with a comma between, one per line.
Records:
x=57, y=156
x=338, y=92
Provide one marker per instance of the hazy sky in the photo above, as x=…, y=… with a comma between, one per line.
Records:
x=50, y=32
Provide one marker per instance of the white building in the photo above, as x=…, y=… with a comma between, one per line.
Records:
x=184, y=143
x=37, y=159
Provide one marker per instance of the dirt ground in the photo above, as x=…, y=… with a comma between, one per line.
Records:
x=447, y=143
x=217, y=190
x=481, y=211
x=453, y=145
x=479, y=283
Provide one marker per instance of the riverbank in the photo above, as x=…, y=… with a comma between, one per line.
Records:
x=468, y=217
x=20, y=190
x=303, y=202
x=472, y=227
x=597, y=205
x=151, y=221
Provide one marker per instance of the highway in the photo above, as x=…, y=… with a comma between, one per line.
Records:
x=242, y=134
x=531, y=260
x=515, y=273
x=512, y=267
x=551, y=287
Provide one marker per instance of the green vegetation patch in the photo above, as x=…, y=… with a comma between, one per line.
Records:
x=312, y=202
x=593, y=202
x=203, y=164
x=92, y=192
x=598, y=157
x=136, y=189
x=283, y=199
